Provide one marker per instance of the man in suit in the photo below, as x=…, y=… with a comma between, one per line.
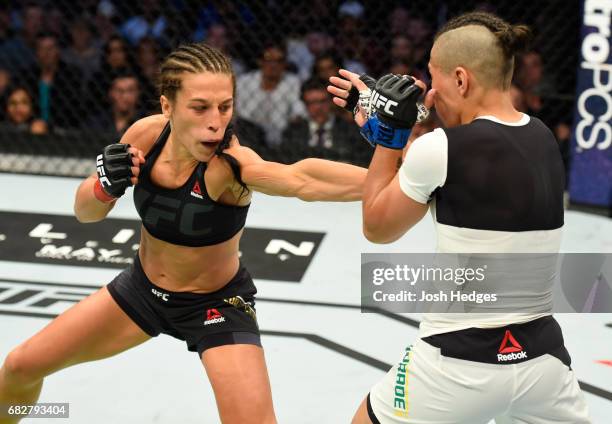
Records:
x=322, y=133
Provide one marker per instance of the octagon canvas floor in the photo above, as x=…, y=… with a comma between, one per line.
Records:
x=323, y=354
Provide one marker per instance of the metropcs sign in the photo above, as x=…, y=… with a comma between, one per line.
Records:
x=594, y=129
x=591, y=165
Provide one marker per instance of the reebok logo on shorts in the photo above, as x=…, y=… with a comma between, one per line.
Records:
x=213, y=316
x=195, y=191
x=510, y=349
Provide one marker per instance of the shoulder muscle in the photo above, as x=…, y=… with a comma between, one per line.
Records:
x=143, y=133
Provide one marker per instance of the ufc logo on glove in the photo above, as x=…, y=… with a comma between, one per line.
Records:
x=101, y=173
x=380, y=102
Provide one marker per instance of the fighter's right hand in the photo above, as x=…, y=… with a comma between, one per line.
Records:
x=352, y=92
x=118, y=167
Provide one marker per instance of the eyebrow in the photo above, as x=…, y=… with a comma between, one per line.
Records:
x=198, y=99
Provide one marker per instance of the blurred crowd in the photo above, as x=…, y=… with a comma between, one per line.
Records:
x=91, y=65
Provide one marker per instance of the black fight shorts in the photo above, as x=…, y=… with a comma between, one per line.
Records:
x=203, y=321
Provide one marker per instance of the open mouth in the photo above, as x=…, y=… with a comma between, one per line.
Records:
x=210, y=144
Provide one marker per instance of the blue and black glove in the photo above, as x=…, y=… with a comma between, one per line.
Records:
x=395, y=102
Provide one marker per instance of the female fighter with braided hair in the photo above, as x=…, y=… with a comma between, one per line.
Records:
x=192, y=188
x=493, y=180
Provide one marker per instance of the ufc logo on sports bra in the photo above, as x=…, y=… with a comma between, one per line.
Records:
x=381, y=102
x=181, y=215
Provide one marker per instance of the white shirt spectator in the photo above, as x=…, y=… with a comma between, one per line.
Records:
x=321, y=135
x=270, y=109
x=300, y=56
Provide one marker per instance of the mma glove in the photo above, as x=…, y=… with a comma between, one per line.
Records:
x=396, y=110
x=113, y=166
x=361, y=99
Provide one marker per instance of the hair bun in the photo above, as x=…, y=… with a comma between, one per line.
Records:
x=518, y=39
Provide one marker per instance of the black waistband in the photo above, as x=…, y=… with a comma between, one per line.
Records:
x=511, y=344
x=240, y=285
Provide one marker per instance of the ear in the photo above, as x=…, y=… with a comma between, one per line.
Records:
x=462, y=80
x=166, y=106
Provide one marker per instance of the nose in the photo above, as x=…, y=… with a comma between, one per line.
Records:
x=214, y=120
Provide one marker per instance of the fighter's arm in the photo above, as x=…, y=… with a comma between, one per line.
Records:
x=87, y=205
x=393, y=202
x=390, y=207
x=309, y=179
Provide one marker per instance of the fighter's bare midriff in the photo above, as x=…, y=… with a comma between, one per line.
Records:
x=202, y=269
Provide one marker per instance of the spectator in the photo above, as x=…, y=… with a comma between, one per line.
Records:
x=518, y=99
x=220, y=11
x=82, y=53
x=55, y=23
x=419, y=32
x=350, y=43
x=116, y=55
x=105, y=22
x=402, y=49
x=313, y=16
x=6, y=32
x=398, y=21
x=530, y=79
x=148, y=61
x=54, y=85
x=19, y=112
x=19, y=52
x=326, y=65
x=302, y=52
x=270, y=96
x=116, y=58
x=537, y=89
x=217, y=37
x=123, y=96
x=150, y=23
x=321, y=133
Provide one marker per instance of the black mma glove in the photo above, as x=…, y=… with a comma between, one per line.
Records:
x=395, y=100
x=114, y=170
x=396, y=111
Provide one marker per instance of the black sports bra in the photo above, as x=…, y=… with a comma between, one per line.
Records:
x=186, y=216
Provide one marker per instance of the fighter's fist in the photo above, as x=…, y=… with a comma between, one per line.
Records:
x=117, y=167
x=395, y=100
